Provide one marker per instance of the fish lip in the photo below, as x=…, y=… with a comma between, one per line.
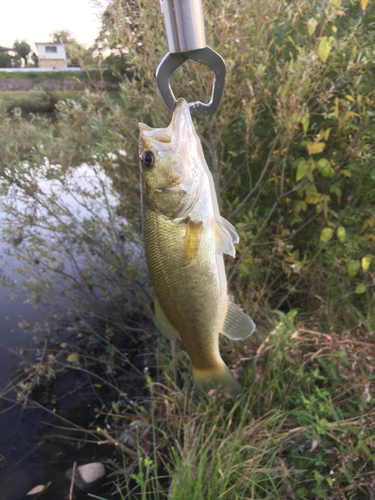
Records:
x=181, y=108
x=180, y=127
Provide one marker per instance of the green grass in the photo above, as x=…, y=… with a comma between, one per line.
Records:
x=304, y=428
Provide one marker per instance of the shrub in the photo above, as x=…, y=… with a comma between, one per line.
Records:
x=291, y=146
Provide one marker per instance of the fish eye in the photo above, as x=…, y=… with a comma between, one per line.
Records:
x=148, y=159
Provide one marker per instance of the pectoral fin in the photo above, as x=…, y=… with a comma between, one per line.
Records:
x=237, y=325
x=163, y=323
x=192, y=241
x=225, y=236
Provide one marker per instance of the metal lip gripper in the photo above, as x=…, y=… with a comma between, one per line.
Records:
x=184, y=28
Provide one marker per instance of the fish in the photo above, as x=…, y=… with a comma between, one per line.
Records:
x=185, y=238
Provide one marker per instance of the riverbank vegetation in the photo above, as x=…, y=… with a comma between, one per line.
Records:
x=292, y=151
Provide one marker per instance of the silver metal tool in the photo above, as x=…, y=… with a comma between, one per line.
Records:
x=184, y=28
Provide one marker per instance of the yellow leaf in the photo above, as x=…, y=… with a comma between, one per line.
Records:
x=364, y=4
x=313, y=198
x=23, y=324
x=312, y=24
x=315, y=147
x=326, y=134
x=366, y=261
x=350, y=98
x=325, y=48
x=326, y=234
x=312, y=195
x=347, y=173
x=72, y=358
x=300, y=205
x=368, y=223
x=336, y=108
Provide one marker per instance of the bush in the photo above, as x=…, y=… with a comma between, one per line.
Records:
x=39, y=100
x=291, y=146
x=5, y=61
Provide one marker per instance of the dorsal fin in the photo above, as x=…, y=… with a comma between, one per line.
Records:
x=225, y=236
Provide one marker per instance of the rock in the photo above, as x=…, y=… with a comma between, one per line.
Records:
x=88, y=476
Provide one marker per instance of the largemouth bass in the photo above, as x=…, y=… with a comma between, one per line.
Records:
x=185, y=239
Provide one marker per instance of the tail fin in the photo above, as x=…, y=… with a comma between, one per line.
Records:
x=219, y=377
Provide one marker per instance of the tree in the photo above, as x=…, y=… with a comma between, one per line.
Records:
x=34, y=59
x=16, y=61
x=76, y=53
x=22, y=48
x=5, y=61
x=62, y=36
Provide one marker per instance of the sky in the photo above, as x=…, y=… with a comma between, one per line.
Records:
x=34, y=20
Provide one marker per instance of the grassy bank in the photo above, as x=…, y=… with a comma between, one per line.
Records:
x=39, y=76
x=36, y=101
x=303, y=429
x=43, y=101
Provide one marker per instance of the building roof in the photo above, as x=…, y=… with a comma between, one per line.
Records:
x=48, y=43
x=5, y=49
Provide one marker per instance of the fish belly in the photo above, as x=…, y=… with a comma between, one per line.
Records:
x=193, y=297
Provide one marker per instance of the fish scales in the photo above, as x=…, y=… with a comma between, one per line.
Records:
x=182, y=290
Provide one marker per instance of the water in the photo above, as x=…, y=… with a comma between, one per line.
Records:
x=26, y=457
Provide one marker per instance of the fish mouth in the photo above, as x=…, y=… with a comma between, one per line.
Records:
x=178, y=129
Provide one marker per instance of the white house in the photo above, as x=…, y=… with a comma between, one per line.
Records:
x=51, y=55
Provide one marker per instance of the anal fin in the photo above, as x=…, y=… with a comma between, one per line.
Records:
x=163, y=323
x=237, y=325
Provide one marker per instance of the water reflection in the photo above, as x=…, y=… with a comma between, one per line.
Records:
x=63, y=244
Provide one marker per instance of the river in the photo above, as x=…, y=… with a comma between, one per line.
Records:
x=83, y=201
